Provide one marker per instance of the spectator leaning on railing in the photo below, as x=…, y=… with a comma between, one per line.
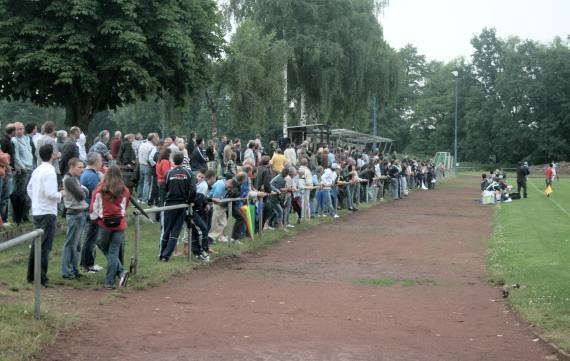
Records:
x=179, y=188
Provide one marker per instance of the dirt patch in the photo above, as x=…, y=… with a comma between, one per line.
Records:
x=301, y=299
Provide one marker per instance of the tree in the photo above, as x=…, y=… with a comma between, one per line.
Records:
x=252, y=77
x=94, y=55
x=338, y=58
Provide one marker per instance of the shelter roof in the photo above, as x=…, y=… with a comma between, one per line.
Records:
x=351, y=136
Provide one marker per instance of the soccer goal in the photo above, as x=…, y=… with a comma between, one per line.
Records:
x=444, y=159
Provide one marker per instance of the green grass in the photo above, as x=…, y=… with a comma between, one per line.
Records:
x=531, y=246
x=22, y=337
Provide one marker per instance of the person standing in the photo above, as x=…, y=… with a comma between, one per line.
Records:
x=145, y=176
x=116, y=144
x=162, y=168
x=548, y=175
x=43, y=191
x=7, y=147
x=30, y=129
x=126, y=159
x=291, y=154
x=70, y=149
x=90, y=179
x=109, y=209
x=278, y=162
x=81, y=145
x=328, y=181
x=75, y=204
x=180, y=188
x=555, y=171
x=23, y=166
x=101, y=147
x=198, y=160
x=522, y=173
x=49, y=137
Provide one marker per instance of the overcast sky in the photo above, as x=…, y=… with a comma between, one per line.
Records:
x=442, y=29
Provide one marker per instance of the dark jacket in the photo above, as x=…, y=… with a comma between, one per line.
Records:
x=126, y=153
x=263, y=179
x=198, y=160
x=69, y=150
x=522, y=172
x=179, y=187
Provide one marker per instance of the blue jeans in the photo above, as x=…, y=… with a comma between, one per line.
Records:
x=88, y=248
x=7, y=189
x=327, y=203
x=349, y=196
x=110, y=243
x=144, y=182
x=70, y=253
x=334, y=200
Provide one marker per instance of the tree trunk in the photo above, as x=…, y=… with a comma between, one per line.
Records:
x=79, y=114
x=213, y=114
x=285, y=105
x=303, y=119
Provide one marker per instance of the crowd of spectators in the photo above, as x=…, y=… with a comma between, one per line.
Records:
x=50, y=172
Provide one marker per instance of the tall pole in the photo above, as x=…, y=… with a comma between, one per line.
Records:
x=374, y=121
x=455, y=131
x=285, y=106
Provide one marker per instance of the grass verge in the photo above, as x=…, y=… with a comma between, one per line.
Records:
x=531, y=246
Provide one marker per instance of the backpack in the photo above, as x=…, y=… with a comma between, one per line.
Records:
x=4, y=162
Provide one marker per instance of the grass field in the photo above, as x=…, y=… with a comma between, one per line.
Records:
x=531, y=246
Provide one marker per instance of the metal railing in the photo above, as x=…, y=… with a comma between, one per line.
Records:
x=35, y=236
x=138, y=214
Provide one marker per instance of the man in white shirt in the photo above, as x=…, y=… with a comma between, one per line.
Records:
x=144, y=168
x=328, y=181
x=307, y=177
x=42, y=190
x=81, y=145
x=291, y=155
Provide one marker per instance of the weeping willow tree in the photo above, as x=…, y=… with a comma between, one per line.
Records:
x=335, y=59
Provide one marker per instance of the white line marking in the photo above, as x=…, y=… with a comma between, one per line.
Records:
x=550, y=199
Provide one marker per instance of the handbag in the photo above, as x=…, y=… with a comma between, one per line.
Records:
x=488, y=197
x=113, y=221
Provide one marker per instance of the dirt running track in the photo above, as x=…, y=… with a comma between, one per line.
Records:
x=301, y=299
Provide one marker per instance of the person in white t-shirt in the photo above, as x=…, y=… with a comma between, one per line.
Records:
x=43, y=191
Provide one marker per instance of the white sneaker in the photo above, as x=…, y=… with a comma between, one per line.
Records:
x=97, y=268
x=336, y=216
x=223, y=239
x=290, y=226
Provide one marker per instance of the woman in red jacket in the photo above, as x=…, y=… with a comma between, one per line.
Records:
x=162, y=167
x=109, y=209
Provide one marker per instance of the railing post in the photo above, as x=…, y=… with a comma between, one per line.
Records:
x=37, y=274
x=136, y=250
x=260, y=220
x=189, y=234
x=230, y=210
